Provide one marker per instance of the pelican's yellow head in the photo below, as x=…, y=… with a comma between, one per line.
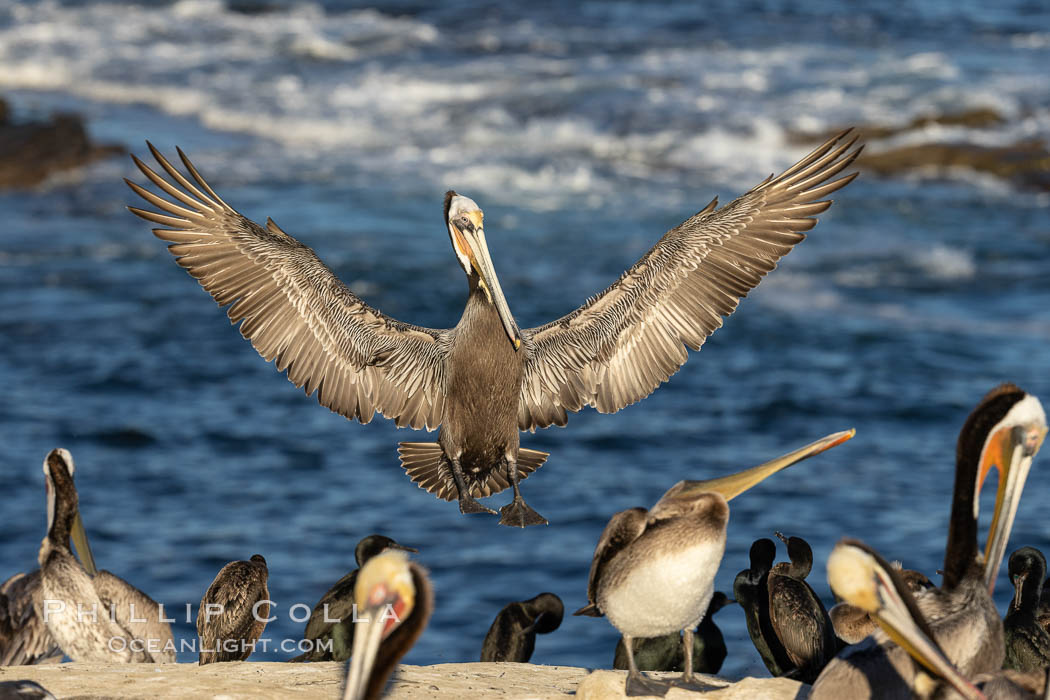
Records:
x=386, y=580
x=384, y=597
x=851, y=575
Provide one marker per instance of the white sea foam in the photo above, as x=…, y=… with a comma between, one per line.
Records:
x=805, y=293
x=531, y=109
x=943, y=263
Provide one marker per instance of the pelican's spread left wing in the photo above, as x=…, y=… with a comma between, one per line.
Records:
x=295, y=311
x=619, y=346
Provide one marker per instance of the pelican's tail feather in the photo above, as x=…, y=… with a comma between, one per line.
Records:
x=427, y=466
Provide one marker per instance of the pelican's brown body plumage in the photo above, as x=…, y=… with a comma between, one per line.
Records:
x=233, y=611
x=653, y=571
x=853, y=624
x=485, y=380
x=862, y=576
x=1004, y=431
x=119, y=623
x=24, y=638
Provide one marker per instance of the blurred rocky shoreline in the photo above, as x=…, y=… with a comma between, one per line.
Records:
x=31, y=151
x=1025, y=163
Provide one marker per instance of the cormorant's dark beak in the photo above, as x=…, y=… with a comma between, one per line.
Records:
x=468, y=237
x=735, y=484
x=1018, y=586
x=862, y=580
x=1010, y=450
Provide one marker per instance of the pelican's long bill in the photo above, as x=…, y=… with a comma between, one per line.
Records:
x=1010, y=448
x=80, y=541
x=367, y=638
x=858, y=575
x=468, y=238
x=735, y=484
x=61, y=458
x=383, y=596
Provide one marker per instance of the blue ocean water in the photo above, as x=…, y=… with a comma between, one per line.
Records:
x=584, y=134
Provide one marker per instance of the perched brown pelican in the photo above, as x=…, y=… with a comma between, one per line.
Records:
x=93, y=618
x=666, y=653
x=233, y=611
x=1004, y=431
x=512, y=635
x=486, y=379
x=857, y=573
x=24, y=690
x=796, y=614
x=853, y=624
x=1027, y=643
x=394, y=601
x=653, y=571
x=751, y=590
x=333, y=641
x=24, y=638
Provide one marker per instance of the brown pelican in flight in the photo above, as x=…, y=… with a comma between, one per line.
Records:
x=486, y=379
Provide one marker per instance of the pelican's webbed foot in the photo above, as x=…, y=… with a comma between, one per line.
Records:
x=691, y=683
x=518, y=513
x=640, y=686
x=469, y=505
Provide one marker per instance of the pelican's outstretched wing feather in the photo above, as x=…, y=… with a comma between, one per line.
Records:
x=619, y=346
x=294, y=310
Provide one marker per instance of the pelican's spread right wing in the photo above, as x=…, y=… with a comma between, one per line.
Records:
x=294, y=310
x=619, y=346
